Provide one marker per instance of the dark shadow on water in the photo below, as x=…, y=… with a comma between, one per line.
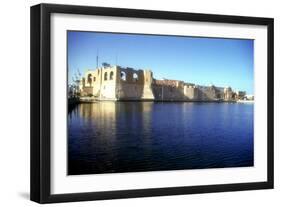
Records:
x=71, y=107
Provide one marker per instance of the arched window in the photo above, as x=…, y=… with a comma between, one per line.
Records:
x=105, y=76
x=94, y=79
x=123, y=76
x=135, y=77
x=111, y=75
x=89, y=80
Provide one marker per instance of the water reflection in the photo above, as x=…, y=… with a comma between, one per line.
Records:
x=106, y=137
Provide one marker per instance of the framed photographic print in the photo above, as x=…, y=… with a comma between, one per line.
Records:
x=133, y=103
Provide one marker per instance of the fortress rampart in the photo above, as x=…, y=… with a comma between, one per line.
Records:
x=117, y=83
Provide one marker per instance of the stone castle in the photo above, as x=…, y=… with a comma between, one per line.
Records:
x=117, y=83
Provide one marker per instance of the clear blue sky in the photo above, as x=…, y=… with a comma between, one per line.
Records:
x=203, y=61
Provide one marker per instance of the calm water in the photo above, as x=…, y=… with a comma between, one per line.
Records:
x=109, y=137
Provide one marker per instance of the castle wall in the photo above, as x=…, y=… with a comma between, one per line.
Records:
x=134, y=84
x=100, y=83
x=191, y=93
x=147, y=87
x=92, y=80
x=210, y=93
x=228, y=94
x=87, y=91
x=178, y=91
x=108, y=83
x=97, y=79
x=117, y=83
x=168, y=90
x=168, y=93
x=206, y=93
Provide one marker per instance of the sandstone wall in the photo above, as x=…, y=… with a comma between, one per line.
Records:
x=117, y=83
x=133, y=84
x=191, y=93
x=168, y=93
x=108, y=84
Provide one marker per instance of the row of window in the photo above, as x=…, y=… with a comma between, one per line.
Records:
x=110, y=75
x=122, y=76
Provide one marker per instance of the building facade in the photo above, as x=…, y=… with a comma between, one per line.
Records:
x=117, y=83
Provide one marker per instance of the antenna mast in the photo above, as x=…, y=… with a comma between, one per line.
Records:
x=97, y=58
x=116, y=58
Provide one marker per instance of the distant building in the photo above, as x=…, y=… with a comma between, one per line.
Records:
x=249, y=97
x=118, y=83
x=240, y=95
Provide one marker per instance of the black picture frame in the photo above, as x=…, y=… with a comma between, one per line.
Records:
x=41, y=95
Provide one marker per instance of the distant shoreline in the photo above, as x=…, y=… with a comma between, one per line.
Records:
x=246, y=101
x=77, y=100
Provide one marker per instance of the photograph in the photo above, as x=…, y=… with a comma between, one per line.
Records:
x=153, y=102
x=130, y=103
